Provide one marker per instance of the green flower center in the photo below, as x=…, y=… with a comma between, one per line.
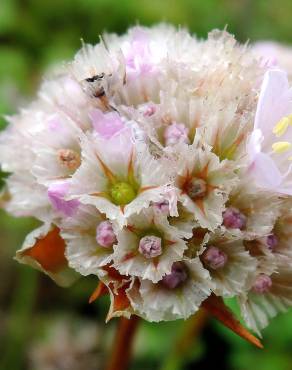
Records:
x=122, y=193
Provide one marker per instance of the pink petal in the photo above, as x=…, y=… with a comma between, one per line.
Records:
x=265, y=171
x=56, y=193
x=106, y=124
x=275, y=101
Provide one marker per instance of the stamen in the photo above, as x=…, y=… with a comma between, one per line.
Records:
x=281, y=146
x=281, y=127
x=262, y=284
x=176, y=133
x=150, y=246
x=105, y=235
x=196, y=188
x=214, y=258
x=69, y=158
x=177, y=276
x=234, y=219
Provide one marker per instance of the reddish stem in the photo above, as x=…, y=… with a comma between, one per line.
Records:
x=123, y=344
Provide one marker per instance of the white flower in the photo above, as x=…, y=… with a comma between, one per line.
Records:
x=85, y=250
x=258, y=211
x=147, y=246
x=179, y=298
x=229, y=264
x=269, y=295
x=118, y=177
x=204, y=183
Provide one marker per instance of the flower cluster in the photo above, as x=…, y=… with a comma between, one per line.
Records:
x=161, y=164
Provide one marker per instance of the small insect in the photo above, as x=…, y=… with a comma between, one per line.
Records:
x=94, y=85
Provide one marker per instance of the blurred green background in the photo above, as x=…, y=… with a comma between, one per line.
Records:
x=35, y=34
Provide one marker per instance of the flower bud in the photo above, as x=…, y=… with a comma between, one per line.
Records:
x=214, y=258
x=234, y=219
x=177, y=276
x=150, y=246
x=105, y=235
x=262, y=284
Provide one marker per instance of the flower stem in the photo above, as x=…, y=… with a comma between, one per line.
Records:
x=123, y=344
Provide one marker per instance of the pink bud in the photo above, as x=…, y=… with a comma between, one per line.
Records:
x=150, y=246
x=234, y=219
x=214, y=258
x=262, y=284
x=176, y=133
x=105, y=235
x=177, y=276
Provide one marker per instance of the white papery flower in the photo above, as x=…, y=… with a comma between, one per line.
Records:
x=177, y=296
x=147, y=246
x=204, y=183
x=89, y=240
x=269, y=295
x=229, y=264
x=118, y=177
x=249, y=215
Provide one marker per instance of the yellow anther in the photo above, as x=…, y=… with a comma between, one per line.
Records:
x=281, y=127
x=281, y=146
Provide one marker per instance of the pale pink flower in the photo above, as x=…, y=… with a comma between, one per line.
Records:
x=269, y=146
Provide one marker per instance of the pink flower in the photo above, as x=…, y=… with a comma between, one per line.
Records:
x=270, y=144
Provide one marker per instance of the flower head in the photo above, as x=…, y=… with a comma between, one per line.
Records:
x=158, y=164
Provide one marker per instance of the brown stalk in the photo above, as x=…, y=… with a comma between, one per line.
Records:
x=123, y=344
